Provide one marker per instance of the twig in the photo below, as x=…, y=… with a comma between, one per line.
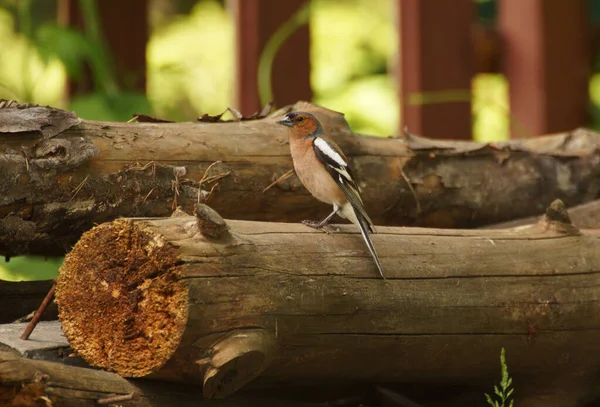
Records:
x=209, y=193
x=76, y=191
x=206, y=179
x=278, y=180
x=115, y=399
x=216, y=177
x=205, y=175
x=175, y=188
x=144, y=201
x=411, y=190
x=26, y=159
x=25, y=318
x=154, y=164
x=40, y=311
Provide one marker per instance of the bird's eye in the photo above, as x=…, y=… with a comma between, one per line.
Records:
x=299, y=118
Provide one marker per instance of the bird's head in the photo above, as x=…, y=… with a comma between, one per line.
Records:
x=302, y=124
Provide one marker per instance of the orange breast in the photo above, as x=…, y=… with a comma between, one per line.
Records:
x=313, y=174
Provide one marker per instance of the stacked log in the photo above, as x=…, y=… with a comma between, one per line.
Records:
x=219, y=305
x=62, y=175
x=161, y=299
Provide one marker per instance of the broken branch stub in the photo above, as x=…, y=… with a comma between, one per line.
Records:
x=235, y=359
x=557, y=219
x=209, y=222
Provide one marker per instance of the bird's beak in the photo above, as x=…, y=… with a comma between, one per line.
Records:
x=286, y=121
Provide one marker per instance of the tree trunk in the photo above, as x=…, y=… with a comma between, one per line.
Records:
x=59, y=176
x=177, y=299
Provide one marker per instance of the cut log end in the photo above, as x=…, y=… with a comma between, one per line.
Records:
x=121, y=303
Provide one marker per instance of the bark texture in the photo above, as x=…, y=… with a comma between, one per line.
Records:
x=584, y=216
x=165, y=300
x=60, y=176
x=25, y=383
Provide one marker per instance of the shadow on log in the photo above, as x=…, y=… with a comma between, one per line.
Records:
x=61, y=175
x=157, y=298
x=20, y=299
x=25, y=382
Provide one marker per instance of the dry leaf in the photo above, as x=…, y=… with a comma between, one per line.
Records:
x=142, y=118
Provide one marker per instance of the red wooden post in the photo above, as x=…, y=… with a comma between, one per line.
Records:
x=124, y=25
x=256, y=21
x=546, y=61
x=436, y=67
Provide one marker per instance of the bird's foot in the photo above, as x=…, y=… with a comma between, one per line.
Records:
x=322, y=227
x=329, y=229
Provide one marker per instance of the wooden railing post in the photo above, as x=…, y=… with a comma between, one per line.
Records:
x=546, y=61
x=436, y=67
x=256, y=21
x=125, y=28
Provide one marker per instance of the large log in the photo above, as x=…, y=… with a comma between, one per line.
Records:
x=584, y=216
x=59, y=176
x=25, y=382
x=34, y=382
x=175, y=299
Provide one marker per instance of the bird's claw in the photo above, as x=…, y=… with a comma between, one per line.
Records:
x=330, y=229
x=317, y=225
x=312, y=224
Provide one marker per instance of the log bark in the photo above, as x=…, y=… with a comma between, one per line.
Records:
x=59, y=176
x=25, y=382
x=161, y=299
x=584, y=216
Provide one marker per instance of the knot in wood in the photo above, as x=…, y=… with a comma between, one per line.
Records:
x=209, y=222
x=557, y=219
x=557, y=212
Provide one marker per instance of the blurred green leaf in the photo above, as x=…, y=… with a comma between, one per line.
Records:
x=119, y=107
x=30, y=268
x=69, y=45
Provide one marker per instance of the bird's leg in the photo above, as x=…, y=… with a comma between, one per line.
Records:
x=324, y=223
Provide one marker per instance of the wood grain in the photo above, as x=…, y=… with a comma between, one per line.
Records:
x=54, y=189
x=451, y=300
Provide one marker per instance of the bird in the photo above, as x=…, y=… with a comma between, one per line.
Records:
x=323, y=169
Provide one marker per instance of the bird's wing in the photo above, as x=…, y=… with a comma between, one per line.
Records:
x=332, y=157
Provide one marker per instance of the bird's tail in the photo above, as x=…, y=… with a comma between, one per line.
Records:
x=365, y=226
